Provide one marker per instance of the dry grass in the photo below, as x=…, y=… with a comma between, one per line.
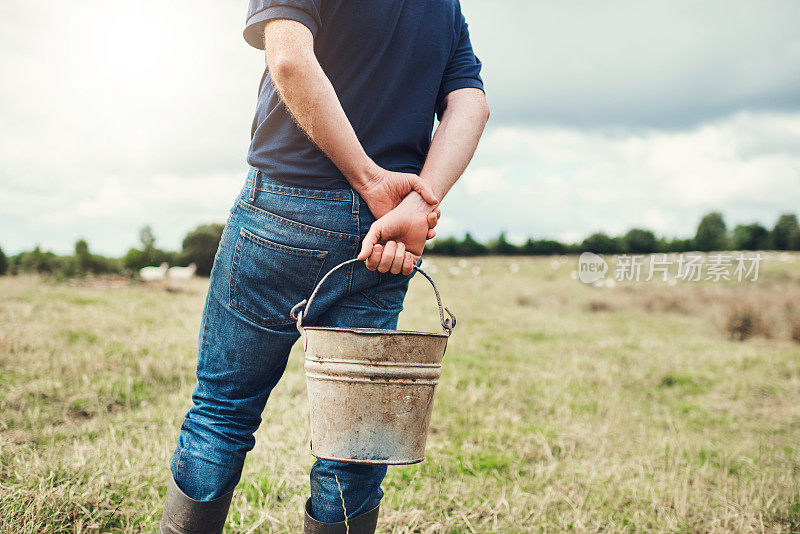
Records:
x=549, y=416
x=795, y=328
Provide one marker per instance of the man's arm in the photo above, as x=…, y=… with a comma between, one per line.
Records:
x=465, y=115
x=453, y=145
x=312, y=101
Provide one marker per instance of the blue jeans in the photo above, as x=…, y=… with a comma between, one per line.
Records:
x=278, y=242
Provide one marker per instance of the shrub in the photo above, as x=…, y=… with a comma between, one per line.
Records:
x=200, y=246
x=750, y=237
x=795, y=329
x=85, y=262
x=599, y=306
x=135, y=258
x=745, y=322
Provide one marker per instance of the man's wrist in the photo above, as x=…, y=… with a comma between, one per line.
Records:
x=364, y=175
x=437, y=184
x=418, y=202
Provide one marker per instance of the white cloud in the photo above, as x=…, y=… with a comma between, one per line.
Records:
x=564, y=182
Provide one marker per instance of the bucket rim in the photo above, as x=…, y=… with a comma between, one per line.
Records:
x=363, y=331
x=402, y=461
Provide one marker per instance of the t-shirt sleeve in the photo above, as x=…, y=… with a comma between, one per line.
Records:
x=261, y=11
x=463, y=68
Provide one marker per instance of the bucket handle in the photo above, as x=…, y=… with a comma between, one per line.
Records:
x=448, y=323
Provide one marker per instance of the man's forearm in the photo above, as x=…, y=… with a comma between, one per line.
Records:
x=456, y=139
x=312, y=100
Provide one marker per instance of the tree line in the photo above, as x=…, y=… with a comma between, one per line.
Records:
x=712, y=234
x=200, y=246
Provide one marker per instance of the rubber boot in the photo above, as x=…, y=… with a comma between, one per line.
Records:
x=363, y=524
x=184, y=515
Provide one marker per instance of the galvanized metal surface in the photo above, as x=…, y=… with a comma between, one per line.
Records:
x=371, y=391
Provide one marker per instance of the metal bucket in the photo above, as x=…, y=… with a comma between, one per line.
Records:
x=370, y=391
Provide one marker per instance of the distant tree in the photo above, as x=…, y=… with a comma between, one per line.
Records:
x=639, y=241
x=200, y=246
x=599, y=243
x=83, y=259
x=675, y=245
x=542, y=247
x=501, y=246
x=37, y=261
x=750, y=237
x=451, y=246
x=470, y=247
x=135, y=259
x=783, y=231
x=711, y=233
x=3, y=262
x=444, y=246
x=795, y=240
x=148, y=255
x=147, y=238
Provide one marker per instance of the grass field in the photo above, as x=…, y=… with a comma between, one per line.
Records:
x=561, y=407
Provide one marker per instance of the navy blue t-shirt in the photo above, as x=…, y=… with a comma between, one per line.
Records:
x=391, y=62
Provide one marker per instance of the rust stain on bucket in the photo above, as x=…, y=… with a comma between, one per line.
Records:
x=371, y=391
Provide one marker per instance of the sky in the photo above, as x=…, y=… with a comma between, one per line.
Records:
x=605, y=116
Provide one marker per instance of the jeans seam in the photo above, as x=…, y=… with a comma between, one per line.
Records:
x=234, y=265
x=300, y=226
x=374, y=301
x=337, y=194
x=298, y=195
x=253, y=187
x=179, y=463
x=356, y=219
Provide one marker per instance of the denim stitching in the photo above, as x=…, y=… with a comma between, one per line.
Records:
x=293, y=224
x=373, y=300
x=258, y=320
x=255, y=318
x=281, y=248
x=355, y=218
x=315, y=197
x=234, y=269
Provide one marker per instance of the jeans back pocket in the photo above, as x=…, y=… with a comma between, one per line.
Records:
x=268, y=278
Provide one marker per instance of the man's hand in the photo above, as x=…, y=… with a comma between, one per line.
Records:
x=386, y=189
x=403, y=232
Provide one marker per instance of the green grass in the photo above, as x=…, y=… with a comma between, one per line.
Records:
x=561, y=407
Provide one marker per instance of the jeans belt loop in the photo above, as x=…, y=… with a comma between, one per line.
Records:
x=254, y=185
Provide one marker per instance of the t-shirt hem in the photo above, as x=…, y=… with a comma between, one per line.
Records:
x=254, y=29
